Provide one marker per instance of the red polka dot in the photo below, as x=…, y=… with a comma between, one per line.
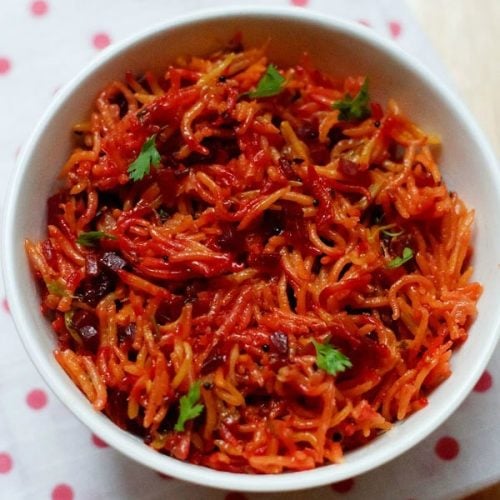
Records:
x=5, y=304
x=300, y=3
x=447, y=448
x=62, y=492
x=164, y=476
x=101, y=40
x=395, y=28
x=5, y=463
x=5, y=65
x=39, y=8
x=99, y=442
x=36, y=399
x=484, y=383
x=364, y=22
x=343, y=486
x=234, y=495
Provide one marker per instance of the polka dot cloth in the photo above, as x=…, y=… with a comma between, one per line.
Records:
x=101, y=40
x=39, y=8
x=99, y=442
x=343, y=486
x=235, y=496
x=484, y=383
x=447, y=448
x=62, y=492
x=5, y=65
x=36, y=399
x=45, y=452
x=164, y=476
x=395, y=28
x=5, y=463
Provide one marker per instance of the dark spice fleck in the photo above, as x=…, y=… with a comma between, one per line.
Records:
x=337, y=437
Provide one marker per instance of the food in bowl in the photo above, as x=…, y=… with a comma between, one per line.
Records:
x=253, y=267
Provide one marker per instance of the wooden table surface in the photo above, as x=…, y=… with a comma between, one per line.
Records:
x=466, y=35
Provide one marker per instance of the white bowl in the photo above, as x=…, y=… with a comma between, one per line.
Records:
x=337, y=47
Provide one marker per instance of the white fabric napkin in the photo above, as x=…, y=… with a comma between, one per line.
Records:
x=45, y=453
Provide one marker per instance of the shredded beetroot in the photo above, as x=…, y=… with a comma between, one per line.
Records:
x=189, y=300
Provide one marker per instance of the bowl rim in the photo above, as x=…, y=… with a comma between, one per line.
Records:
x=99, y=424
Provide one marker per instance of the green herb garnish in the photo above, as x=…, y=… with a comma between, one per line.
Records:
x=354, y=108
x=148, y=156
x=90, y=238
x=391, y=234
x=399, y=261
x=68, y=322
x=330, y=359
x=162, y=214
x=270, y=84
x=188, y=407
x=56, y=288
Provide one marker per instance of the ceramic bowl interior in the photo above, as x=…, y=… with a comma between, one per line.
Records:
x=339, y=48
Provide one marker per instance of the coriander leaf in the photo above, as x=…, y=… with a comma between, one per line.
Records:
x=188, y=409
x=148, y=156
x=90, y=238
x=330, y=359
x=56, y=288
x=354, y=108
x=399, y=261
x=270, y=84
